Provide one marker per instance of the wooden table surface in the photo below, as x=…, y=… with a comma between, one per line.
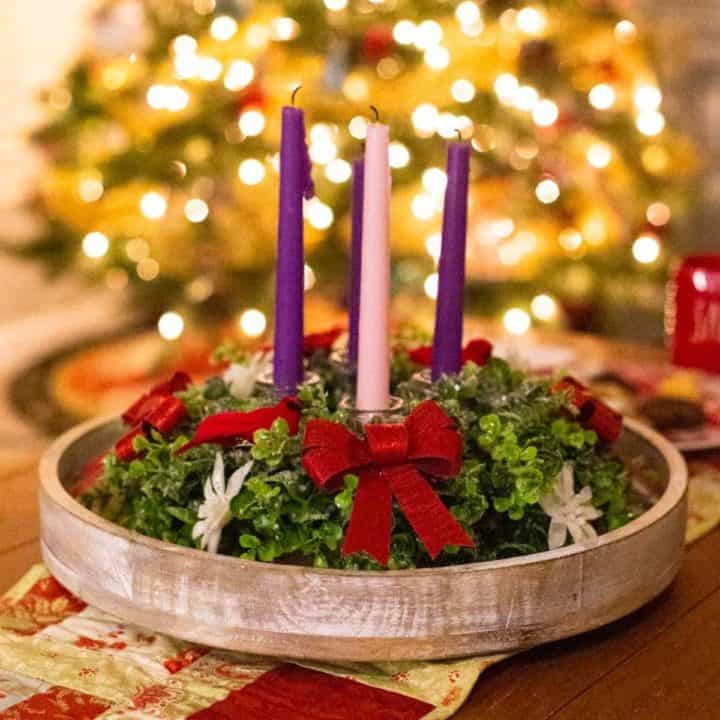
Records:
x=661, y=662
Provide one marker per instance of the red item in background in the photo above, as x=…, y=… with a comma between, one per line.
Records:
x=693, y=313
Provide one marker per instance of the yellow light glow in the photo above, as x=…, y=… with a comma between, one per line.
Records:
x=336, y=5
x=196, y=210
x=427, y=34
x=650, y=122
x=434, y=180
x=251, y=122
x=137, y=249
x=602, y=96
x=655, y=159
x=355, y=87
x=516, y=321
x=322, y=143
x=599, y=155
x=437, y=57
x=570, y=239
x=423, y=206
x=447, y=125
x=625, y=31
x=253, y=322
x=338, y=171
x=171, y=325
x=167, y=97
x=239, y=75
x=184, y=45
x=462, y=90
x=646, y=249
x=506, y=86
x=284, y=29
x=430, y=286
x=223, y=27
x=545, y=113
x=309, y=278
x=433, y=245
x=388, y=68
x=526, y=98
x=257, y=36
x=251, y=171
x=658, y=214
x=399, y=155
x=531, y=21
x=148, y=269
x=543, y=307
x=647, y=97
x=425, y=118
x=153, y=205
x=468, y=13
x=91, y=188
x=203, y=7
x=95, y=245
x=187, y=66
x=318, y=214
x=502, y=227
x=209, y=68
x=358, y=127
x=547, y=191
x=404, y=32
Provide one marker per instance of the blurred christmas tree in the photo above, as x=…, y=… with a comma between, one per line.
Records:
x=163, y=147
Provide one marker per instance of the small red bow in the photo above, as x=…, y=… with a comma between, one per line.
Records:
x=477, y=351
x=228, y=428
x=592, y=413
x=392, y=461
x=157, y=409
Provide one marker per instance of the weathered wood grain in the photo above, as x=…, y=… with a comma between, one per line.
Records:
x=329, y=614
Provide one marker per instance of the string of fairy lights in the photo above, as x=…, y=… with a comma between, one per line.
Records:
x=194, y=64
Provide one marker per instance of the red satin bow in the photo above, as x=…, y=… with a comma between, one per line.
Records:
x=228, y=428
x=592, y=413
x=391, y=462
x=477, y=351
x=158, y=409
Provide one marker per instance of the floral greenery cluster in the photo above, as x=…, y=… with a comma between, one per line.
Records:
x=517, y=436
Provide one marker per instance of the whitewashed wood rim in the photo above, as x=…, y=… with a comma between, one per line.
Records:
x=474, y=608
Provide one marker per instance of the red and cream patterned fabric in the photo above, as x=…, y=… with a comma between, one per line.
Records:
x=62, y=659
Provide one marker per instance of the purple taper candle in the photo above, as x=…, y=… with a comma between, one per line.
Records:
x=447, y=343
x=358, y=170
x=295, y=183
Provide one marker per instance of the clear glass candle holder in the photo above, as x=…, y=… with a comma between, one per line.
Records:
x=265, y=383
x=357, y=418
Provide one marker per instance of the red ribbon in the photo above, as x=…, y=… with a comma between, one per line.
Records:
x=229, y=428
x=592, y=413
x=391, y=462
x=477, y=351
x=157, y=409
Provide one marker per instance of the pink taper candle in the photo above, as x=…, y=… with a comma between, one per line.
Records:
x=373, y=369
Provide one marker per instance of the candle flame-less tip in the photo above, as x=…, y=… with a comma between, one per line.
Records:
x=459, y=133
x=376, y=113
x=294, y=93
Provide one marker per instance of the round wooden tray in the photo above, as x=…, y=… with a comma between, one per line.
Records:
x=301, y=612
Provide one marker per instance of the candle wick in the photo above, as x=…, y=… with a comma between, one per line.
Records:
x=375, y=111
x=459, y=133
x=294, y=93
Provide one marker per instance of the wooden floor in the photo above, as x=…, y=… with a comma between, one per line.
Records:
x=662, y=662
